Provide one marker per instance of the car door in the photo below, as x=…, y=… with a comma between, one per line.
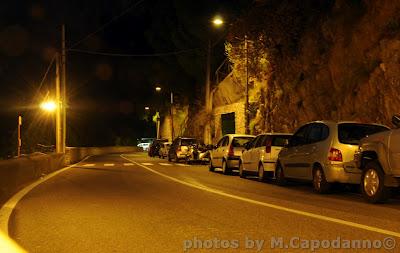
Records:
x=215, y=156
x=289, y=156
x=307, y=153
x=394, y=149
x=223, y=150
x=257, y=152
x=246, y=156
x=250, y=162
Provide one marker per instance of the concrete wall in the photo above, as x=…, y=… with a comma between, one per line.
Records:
x=76, y=154
x=19, y=172
x=240, y=121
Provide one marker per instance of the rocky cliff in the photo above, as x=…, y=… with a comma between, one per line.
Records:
x=318, y=59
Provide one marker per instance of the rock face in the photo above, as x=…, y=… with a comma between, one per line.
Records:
x=313, y=60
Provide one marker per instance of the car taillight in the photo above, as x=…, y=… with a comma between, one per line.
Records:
x=335, y=155
x=268, y=146
x=231, y=152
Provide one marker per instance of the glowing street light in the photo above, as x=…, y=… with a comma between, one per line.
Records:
x=147, y=108
x=48, y=106
x=158, y=88
x=218, y=21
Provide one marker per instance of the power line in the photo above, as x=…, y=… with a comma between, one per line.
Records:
x=46, y=73
x=134, y=55
x=108, y=23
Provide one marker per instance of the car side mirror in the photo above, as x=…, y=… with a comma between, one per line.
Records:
x=396, y=121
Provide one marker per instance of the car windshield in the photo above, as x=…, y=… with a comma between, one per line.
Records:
x=241, y=141
x=352, y=133
x=187, y=142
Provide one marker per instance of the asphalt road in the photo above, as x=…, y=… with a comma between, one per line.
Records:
x=139, y=204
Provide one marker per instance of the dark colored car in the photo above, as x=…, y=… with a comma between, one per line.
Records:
x=155, y=147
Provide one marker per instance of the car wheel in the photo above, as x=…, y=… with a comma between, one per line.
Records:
x=261, y=174
x=319, y=181
x=242, y=172
x=279, y=175
x=225, y=169
x=176, y=158
x=211, y=166
x=169, y=158
x=373, y=185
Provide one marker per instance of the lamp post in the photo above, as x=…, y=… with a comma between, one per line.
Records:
x=217, y=22
x=158, y=89
x=171, y=112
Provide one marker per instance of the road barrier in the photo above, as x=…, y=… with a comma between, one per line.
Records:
x=19, y=172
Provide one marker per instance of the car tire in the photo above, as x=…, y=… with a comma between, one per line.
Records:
x=261, y=173
x=373, y=185
x=211, y=166
x=169, y=158
x=279, y=175
x=242, y=172
x=320, y=184
x=225, y=169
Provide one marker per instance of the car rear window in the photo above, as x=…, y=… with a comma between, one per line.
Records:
x=241, y=141
x=281, y=140
x=351, y=133
x=187, y=142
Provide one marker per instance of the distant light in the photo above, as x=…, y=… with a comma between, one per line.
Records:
x=147, y=108
x=217, y=21
x=48, y=106
x=158, y=88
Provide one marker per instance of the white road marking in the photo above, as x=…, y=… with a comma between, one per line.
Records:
x=147, y=164
x=108, y=164
x=165, y=164
x=128, y=164
x=276, y=207
x=89, y=165
x=181, y=164
x=7, y=209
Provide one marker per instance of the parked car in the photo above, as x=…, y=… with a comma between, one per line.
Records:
x=155, y=147
x=163, y=152
x=323, y=152
x=378, y=158
x=260, y=155
x=144, y=145
x=179, y=149
x=226, y=154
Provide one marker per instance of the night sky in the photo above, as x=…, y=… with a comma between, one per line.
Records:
x=165, y=41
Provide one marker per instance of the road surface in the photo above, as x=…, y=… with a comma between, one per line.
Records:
x=132, y=203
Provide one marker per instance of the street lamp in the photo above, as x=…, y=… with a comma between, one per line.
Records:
x=48, y=106
x=147, y=108
x=218, y=22
x=158, y=88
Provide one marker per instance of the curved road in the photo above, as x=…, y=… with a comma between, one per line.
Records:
x=133, y=203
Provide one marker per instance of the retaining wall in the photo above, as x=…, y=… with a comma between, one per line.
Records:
x=19, y=172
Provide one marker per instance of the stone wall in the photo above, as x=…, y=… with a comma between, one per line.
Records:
x=240, y=123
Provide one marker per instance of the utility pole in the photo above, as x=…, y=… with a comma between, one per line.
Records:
x=59, y=108
x=64, y=89
x=246, y=105
x=172, y=116
x=19, y=136
x=207, y=127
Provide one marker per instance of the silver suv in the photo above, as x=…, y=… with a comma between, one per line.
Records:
x=323, y=152
x=379, y=160
x=226, y=154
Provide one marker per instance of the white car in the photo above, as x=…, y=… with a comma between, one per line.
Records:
x=226, y=154
x=260, y=156
x=144, y=145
